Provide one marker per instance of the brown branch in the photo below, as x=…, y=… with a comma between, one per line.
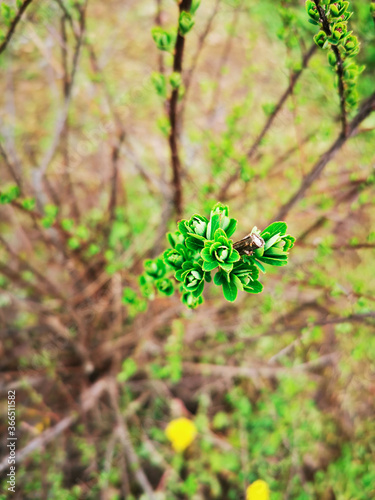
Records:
x=222, y=63
x=158, y=22
x=51, y=288
x=13, y=25
x=265, y=371
x=66, y=130
x=114, y=180
x=10, y=167
x=250, y=154
x=339, y=70
x=68, y=18
x=201, y=40
x=173, y=118
x=124, y=437
x=40, y=172
x=274, y=170
x=88, y=400
x=365, y=110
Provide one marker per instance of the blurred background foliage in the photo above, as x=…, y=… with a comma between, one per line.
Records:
x=280, y=385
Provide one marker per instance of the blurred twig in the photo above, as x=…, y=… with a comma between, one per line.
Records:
x=88, y=399
x=124, y=436
x=13, y=25
x=115, y=175
x=40, y=172
x=190, y=72
x=293, y=80
x=367, y=107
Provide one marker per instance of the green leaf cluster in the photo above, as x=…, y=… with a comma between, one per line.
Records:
x=7, y=13
x=201, y=246
x=9, y=194
x=339, y=41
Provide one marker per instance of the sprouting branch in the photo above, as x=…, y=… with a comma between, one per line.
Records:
x=339, y=70
x=254, y=147
x=173, y=117
x=12, y=27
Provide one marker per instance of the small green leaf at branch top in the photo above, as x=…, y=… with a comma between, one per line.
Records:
x=185, y=22
x=163, y=39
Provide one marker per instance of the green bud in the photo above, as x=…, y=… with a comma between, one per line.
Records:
x=158, y=80
x=320, y=38
x=185, y=22
x=332, y=59
x=175, y=80
x=163, y=39
x=194, y=6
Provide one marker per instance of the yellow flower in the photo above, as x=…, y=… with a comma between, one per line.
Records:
x=181, y=433
x=259, y=490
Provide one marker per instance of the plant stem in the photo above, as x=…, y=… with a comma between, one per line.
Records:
x=254, y=147
x=365, y=110
x=339, y=69
x=13, y=25
x=173, y=118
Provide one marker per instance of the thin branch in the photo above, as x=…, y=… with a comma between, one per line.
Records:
x=365, y=110
x=222, y=63
x=250, y=154
x=202, y=37
x=339, y=71
x=173, y=118
x=114, y=180
x=158, y=22
x=68, y=17
x=66, y=130
x=10, y=167
x=88, y=400
x=365, y=318
x=265, y=371
x=124, y=436
x=40, y=173
x=16, y=20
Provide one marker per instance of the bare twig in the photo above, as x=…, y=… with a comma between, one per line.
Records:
x=266, y=371
x=215, y=100
x=88, y=400
x=124, y=436
x=10, y=167
x=158, y=22
x=202, y=37
x=114, y=179
x=40, y=173
x=250, y=154
x=66, y=130
x=365, y=110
